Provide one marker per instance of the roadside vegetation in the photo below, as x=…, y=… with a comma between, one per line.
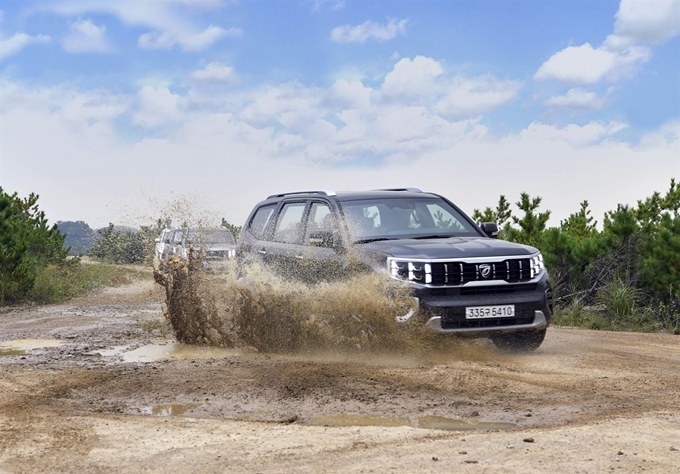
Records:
x=34, y=263
x=623, y=275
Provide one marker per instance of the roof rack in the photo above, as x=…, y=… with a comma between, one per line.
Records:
x=410, y=190
x=326, y=192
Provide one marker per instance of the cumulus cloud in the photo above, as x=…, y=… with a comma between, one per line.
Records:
x=369, y=30
x=577, y=98
x=587, y=65
x=412, y=77
x=423, y=81
x=638, y=22
x=18, y=42
x=170, y=22
x=86, y=37
x=216, y=72
x=156, y=107
x=644, y=21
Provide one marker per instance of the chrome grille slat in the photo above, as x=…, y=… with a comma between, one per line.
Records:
x=456, y=273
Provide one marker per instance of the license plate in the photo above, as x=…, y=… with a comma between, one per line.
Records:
x=480, y=312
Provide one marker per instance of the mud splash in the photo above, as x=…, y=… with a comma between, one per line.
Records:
x=258, y=309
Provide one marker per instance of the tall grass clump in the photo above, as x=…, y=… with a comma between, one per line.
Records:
x=55, y=283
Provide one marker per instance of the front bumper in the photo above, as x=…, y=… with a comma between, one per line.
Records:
x=442, y=310
x=434, y=324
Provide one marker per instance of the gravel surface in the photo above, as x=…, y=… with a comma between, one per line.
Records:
x=98, y=384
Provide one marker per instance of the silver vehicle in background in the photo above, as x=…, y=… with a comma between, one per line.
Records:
x=215, y=244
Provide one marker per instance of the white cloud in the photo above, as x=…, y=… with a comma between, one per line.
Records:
x=577, y=98
x=86, y=37
x=186, y=41
x=645, y=21
x=572, y=134
x=412, y=77
x=216, y=72
x=637, y=22
x=156, y=107
x=331, y=4
x=471, y=96
x=369, y=30
x=291, y=139
x=18, y=42
x=587, y=65
x=423, y=81
x=171, y=22
x=666, y=136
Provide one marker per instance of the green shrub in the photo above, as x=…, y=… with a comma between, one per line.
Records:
x=59, y=283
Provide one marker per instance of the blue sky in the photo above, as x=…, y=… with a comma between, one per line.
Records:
x=118, y=110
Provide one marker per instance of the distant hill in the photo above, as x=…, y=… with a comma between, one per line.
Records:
x=122, y=228
x=79, y=236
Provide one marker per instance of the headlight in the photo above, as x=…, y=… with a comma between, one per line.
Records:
x=537, y=265
x=415, y=272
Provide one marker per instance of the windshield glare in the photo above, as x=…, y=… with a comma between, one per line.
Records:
x=405, y=218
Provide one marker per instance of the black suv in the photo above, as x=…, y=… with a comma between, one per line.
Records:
x=467, y=281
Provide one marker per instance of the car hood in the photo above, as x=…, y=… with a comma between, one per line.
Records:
x=453, y=247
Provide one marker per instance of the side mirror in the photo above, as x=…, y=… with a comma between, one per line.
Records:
x=322, y=238
x=490, y=229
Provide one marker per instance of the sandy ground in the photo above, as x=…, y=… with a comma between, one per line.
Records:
x=98, y=385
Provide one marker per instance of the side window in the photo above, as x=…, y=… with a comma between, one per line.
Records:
x=260, y=220
x=289, y=223
x=320, y=218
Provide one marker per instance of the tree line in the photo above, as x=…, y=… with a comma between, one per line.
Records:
x=626, y=270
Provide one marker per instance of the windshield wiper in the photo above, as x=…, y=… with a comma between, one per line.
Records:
x=374, y=239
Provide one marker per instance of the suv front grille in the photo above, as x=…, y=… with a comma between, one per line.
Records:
x=459, y=273
x=454, y=273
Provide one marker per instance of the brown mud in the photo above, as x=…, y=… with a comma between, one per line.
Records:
x=586, y=401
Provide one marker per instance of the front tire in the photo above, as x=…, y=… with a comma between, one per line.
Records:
x=526, y=341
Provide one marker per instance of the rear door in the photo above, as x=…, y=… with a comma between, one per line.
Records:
x=285, y=250
x=321, y=260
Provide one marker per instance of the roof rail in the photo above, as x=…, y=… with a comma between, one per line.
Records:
x=410, y=190
x=326, y=192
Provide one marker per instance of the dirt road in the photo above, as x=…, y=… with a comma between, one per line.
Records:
x=98, y=385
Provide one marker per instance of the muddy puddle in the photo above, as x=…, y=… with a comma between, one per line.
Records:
x=173, y=409
x=424, y=422
x=166, y=351
x=25, y=346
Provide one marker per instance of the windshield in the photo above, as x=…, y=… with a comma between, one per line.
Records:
x=210, y=236
x=405, y=218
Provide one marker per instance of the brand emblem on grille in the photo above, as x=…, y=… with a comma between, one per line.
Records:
x=485, y=270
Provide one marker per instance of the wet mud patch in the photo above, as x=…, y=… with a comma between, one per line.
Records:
x=26, y=346
x=423, y=422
